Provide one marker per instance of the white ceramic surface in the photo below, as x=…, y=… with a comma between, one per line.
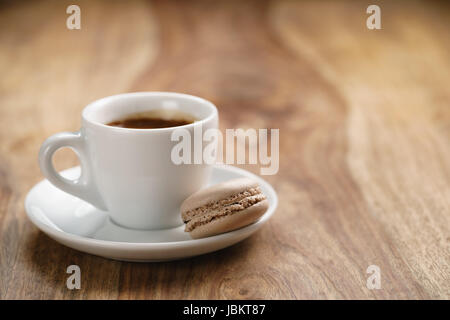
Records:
x=129, y=172
x=79, y=225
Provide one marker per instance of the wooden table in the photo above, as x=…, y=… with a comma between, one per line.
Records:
x=364, y=119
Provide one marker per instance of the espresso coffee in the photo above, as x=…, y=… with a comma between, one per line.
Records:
x=148, y=123
x=153, y=120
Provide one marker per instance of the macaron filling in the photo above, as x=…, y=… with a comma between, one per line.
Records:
x=190, y=214
x=218, y=209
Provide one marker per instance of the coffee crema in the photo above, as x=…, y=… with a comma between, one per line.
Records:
x=154, y=119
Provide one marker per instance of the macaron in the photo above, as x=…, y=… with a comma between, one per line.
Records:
x=223, y=207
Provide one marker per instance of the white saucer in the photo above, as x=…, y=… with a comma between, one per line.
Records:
x=79, y=225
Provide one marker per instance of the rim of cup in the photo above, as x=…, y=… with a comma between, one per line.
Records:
x=93, y=106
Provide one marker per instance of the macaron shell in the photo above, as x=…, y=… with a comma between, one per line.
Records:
x=231, y=222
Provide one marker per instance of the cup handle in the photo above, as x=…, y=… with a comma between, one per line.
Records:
x=83, y=187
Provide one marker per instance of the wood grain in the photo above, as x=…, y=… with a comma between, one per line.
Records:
x=364, y=120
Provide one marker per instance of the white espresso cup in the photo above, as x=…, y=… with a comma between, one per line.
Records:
x=129, y=172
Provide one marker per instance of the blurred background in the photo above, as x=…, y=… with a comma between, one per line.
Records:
x=364, y=119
